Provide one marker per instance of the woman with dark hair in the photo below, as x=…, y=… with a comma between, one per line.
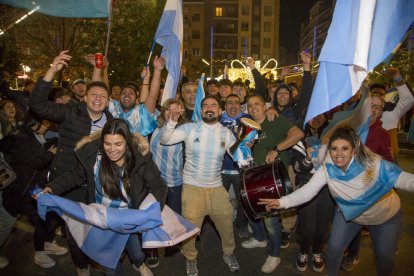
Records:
x=119, y=173
x=362, y=184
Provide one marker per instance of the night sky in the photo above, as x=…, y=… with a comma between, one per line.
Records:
x=292, y=14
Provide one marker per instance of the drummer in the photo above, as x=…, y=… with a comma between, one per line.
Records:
x=276, y=137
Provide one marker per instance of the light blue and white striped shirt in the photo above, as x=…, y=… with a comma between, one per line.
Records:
x=169, y=160
x=205, y=146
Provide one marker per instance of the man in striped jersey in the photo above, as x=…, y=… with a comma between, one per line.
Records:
x=203, y=194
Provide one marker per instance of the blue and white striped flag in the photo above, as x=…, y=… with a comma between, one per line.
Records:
x=170, y=36
x=199, y=97
x=102, y=232
x=362, y=34
x=65, y=8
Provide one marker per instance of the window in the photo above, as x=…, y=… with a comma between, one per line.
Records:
x=230, y=27
x=195, y=35
x=255, y=42
x=245, y=26
x=256, y=27
x=267, y=42
x=244, y=41
x=267, y=27
x=219, y=11
x=256, y=11
x=266, y=57
x=196, y=17
x=245, y=10
x=196, y=52
x=185, y=54
x=268, y=11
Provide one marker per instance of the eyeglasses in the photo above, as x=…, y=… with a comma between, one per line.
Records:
x=377, y=107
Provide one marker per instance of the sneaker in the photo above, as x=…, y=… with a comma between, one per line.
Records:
x=285, y=239
x=243, y=233
x=144, y=270
x=3, y=262
x=253, y=243
x=349, y=263
x=191, y=266
x=318, y=263
x=152, y=259
x=231, y=261
x=83, y=271
x=43, y=260
x=54, y=249
x=302, y=262
x=271, y=264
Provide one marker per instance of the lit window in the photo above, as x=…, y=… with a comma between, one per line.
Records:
x=219, y=11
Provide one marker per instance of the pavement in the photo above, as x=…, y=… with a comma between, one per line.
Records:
x=19, y=250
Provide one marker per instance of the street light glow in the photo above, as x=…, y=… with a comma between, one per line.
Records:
x=205, y=61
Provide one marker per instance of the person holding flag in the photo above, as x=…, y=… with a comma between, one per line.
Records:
x=362, y=184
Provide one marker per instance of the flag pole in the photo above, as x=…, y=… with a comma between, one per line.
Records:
x=109, y=30
x=150, y=54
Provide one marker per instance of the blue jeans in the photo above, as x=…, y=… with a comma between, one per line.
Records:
x=133, y=247
x=7, y=222
x=274, y=233
x=174, y=198
x=384, y=236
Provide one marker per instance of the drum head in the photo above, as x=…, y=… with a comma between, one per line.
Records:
x=250, y=123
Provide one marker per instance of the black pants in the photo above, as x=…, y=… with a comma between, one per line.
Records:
x=228, y=179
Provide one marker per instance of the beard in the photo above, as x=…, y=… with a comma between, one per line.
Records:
x=209, y=117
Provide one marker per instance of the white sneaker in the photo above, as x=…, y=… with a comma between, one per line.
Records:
x=144, y=270
x=54, y=249
x=271, y=264
x=83, y=271
x=43, y=260
x=3, y=262
x=253, y=243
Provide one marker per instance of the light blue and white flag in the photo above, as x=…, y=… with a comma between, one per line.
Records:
x=65, y=8
x=101, y=232
x=362, y=34
x=199, y=97
x=169, y=35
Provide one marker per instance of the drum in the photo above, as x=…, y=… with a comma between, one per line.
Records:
x=265, y=181
x=246, y=126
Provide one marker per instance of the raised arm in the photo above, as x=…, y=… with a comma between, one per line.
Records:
x=151, y=101
x=145, y=76
x=305, y=95
x=258, y=79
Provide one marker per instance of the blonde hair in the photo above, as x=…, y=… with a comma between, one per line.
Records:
x=165, y=107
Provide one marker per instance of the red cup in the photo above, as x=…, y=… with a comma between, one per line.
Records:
x=99, y=60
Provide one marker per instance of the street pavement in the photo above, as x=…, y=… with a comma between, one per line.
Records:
x=19, y=250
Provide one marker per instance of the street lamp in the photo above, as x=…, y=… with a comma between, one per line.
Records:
x=208, y=64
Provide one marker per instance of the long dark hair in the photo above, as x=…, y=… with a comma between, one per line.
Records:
x=109, y=173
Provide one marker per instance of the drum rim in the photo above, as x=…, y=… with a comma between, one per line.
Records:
x=250, y=123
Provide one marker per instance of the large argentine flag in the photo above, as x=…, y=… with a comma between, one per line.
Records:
x=170, y=35
x=199, y=97
x=101, y=232
x=65, y=8
x=362, y=34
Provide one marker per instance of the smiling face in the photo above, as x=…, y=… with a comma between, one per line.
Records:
x=96, y=100
x=239, y=91
x=224, y=91
x=210, y=111
x=283, y=97
x=188, y=94
x=377, y=107
x=256, y=108
x=341, y=152
x=128, y=98
x=115, y=147
x=79, y=89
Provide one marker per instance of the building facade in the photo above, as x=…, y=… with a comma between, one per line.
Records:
x=224, y=30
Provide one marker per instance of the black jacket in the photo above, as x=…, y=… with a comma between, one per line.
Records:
x=74, y=124
x=30, y=160
x=146, y=177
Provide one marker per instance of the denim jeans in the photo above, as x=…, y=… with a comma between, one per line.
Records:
x=7, y=222
x=385, y=238
x=274, y=233
x=228, y=179
x=133, y=247
x=174, y=198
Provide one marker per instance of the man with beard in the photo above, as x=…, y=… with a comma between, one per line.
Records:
x=203, y=193
x=276, y=138
x=139, y=116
